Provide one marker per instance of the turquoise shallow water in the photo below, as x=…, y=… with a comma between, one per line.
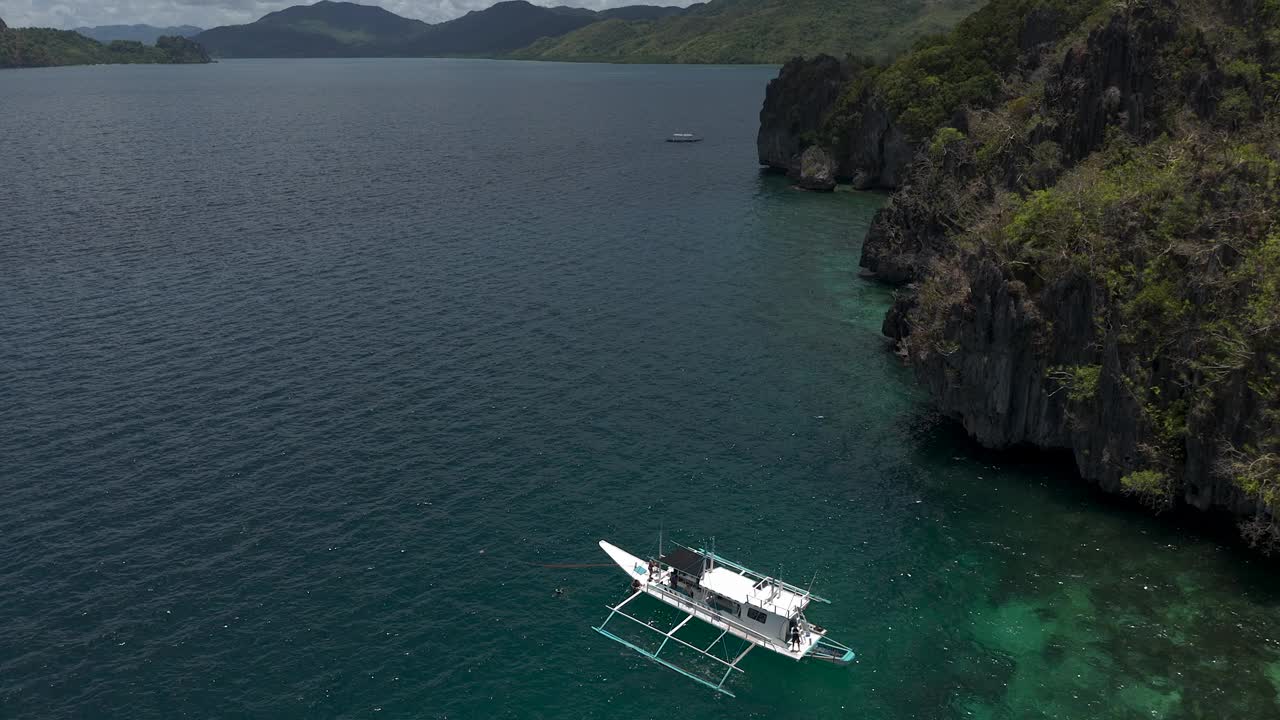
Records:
x=307, y=368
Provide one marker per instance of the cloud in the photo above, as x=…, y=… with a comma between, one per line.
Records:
x=211, y=13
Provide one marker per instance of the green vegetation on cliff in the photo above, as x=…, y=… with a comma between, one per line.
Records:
x=1092, y=227
x=964, y=68
x=44, y=47
x=758, y=31
x=1180, y=239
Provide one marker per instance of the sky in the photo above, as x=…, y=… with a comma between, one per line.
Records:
x=212, y=13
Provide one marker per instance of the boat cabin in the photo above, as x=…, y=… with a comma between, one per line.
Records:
x=760, y=606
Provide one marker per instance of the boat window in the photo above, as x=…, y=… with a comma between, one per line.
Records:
x=756, y=615
x=724, y=603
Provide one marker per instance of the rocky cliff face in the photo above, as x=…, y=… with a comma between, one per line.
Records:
x=1084, y=260
x=996, y=373
x=1108, y=82
x=1111, y=82
x=869, y=151
x=874, y=152
x=795, y=105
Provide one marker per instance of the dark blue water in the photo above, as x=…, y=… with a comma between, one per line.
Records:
x=307, y=368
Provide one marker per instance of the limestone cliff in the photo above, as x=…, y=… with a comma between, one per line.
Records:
x=871, y=119
x=1088, y=240
x=795, y=105
x=1093, y=261
x=805, y=107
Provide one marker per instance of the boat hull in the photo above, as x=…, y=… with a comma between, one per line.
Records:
x=633, y=566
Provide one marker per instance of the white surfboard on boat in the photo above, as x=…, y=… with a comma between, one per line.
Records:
x=632, y=565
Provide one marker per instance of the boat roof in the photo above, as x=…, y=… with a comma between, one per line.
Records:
x=729, y=584
x=685, y=560
x=765, y=594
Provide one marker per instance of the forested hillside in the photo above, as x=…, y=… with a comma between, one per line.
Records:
x=42, y=47
x=758, y=31
x=343, y=29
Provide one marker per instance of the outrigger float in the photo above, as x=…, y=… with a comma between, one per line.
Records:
x=740, y=602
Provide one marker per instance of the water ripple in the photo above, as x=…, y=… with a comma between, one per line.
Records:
x=305, y=367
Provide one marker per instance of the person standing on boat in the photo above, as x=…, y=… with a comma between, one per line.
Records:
x=795, y=634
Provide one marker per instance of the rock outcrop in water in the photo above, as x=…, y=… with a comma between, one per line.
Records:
x=816, y=170
x=181, y=50
x=795, y=106
x=1088, y=239
x=808, y=106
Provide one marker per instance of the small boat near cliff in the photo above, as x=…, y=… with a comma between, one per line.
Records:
x=684, y=138
x=757, y=610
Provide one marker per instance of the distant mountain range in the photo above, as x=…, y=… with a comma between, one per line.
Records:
x=326, y=29
x=718, y=31
x=147, y=34
x=342, y=29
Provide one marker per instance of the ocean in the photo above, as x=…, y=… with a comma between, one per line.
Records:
x=312, y=372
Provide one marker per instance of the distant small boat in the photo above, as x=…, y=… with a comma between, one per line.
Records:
x=684, y=138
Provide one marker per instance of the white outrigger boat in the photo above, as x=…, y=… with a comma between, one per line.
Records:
x=760, y=610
